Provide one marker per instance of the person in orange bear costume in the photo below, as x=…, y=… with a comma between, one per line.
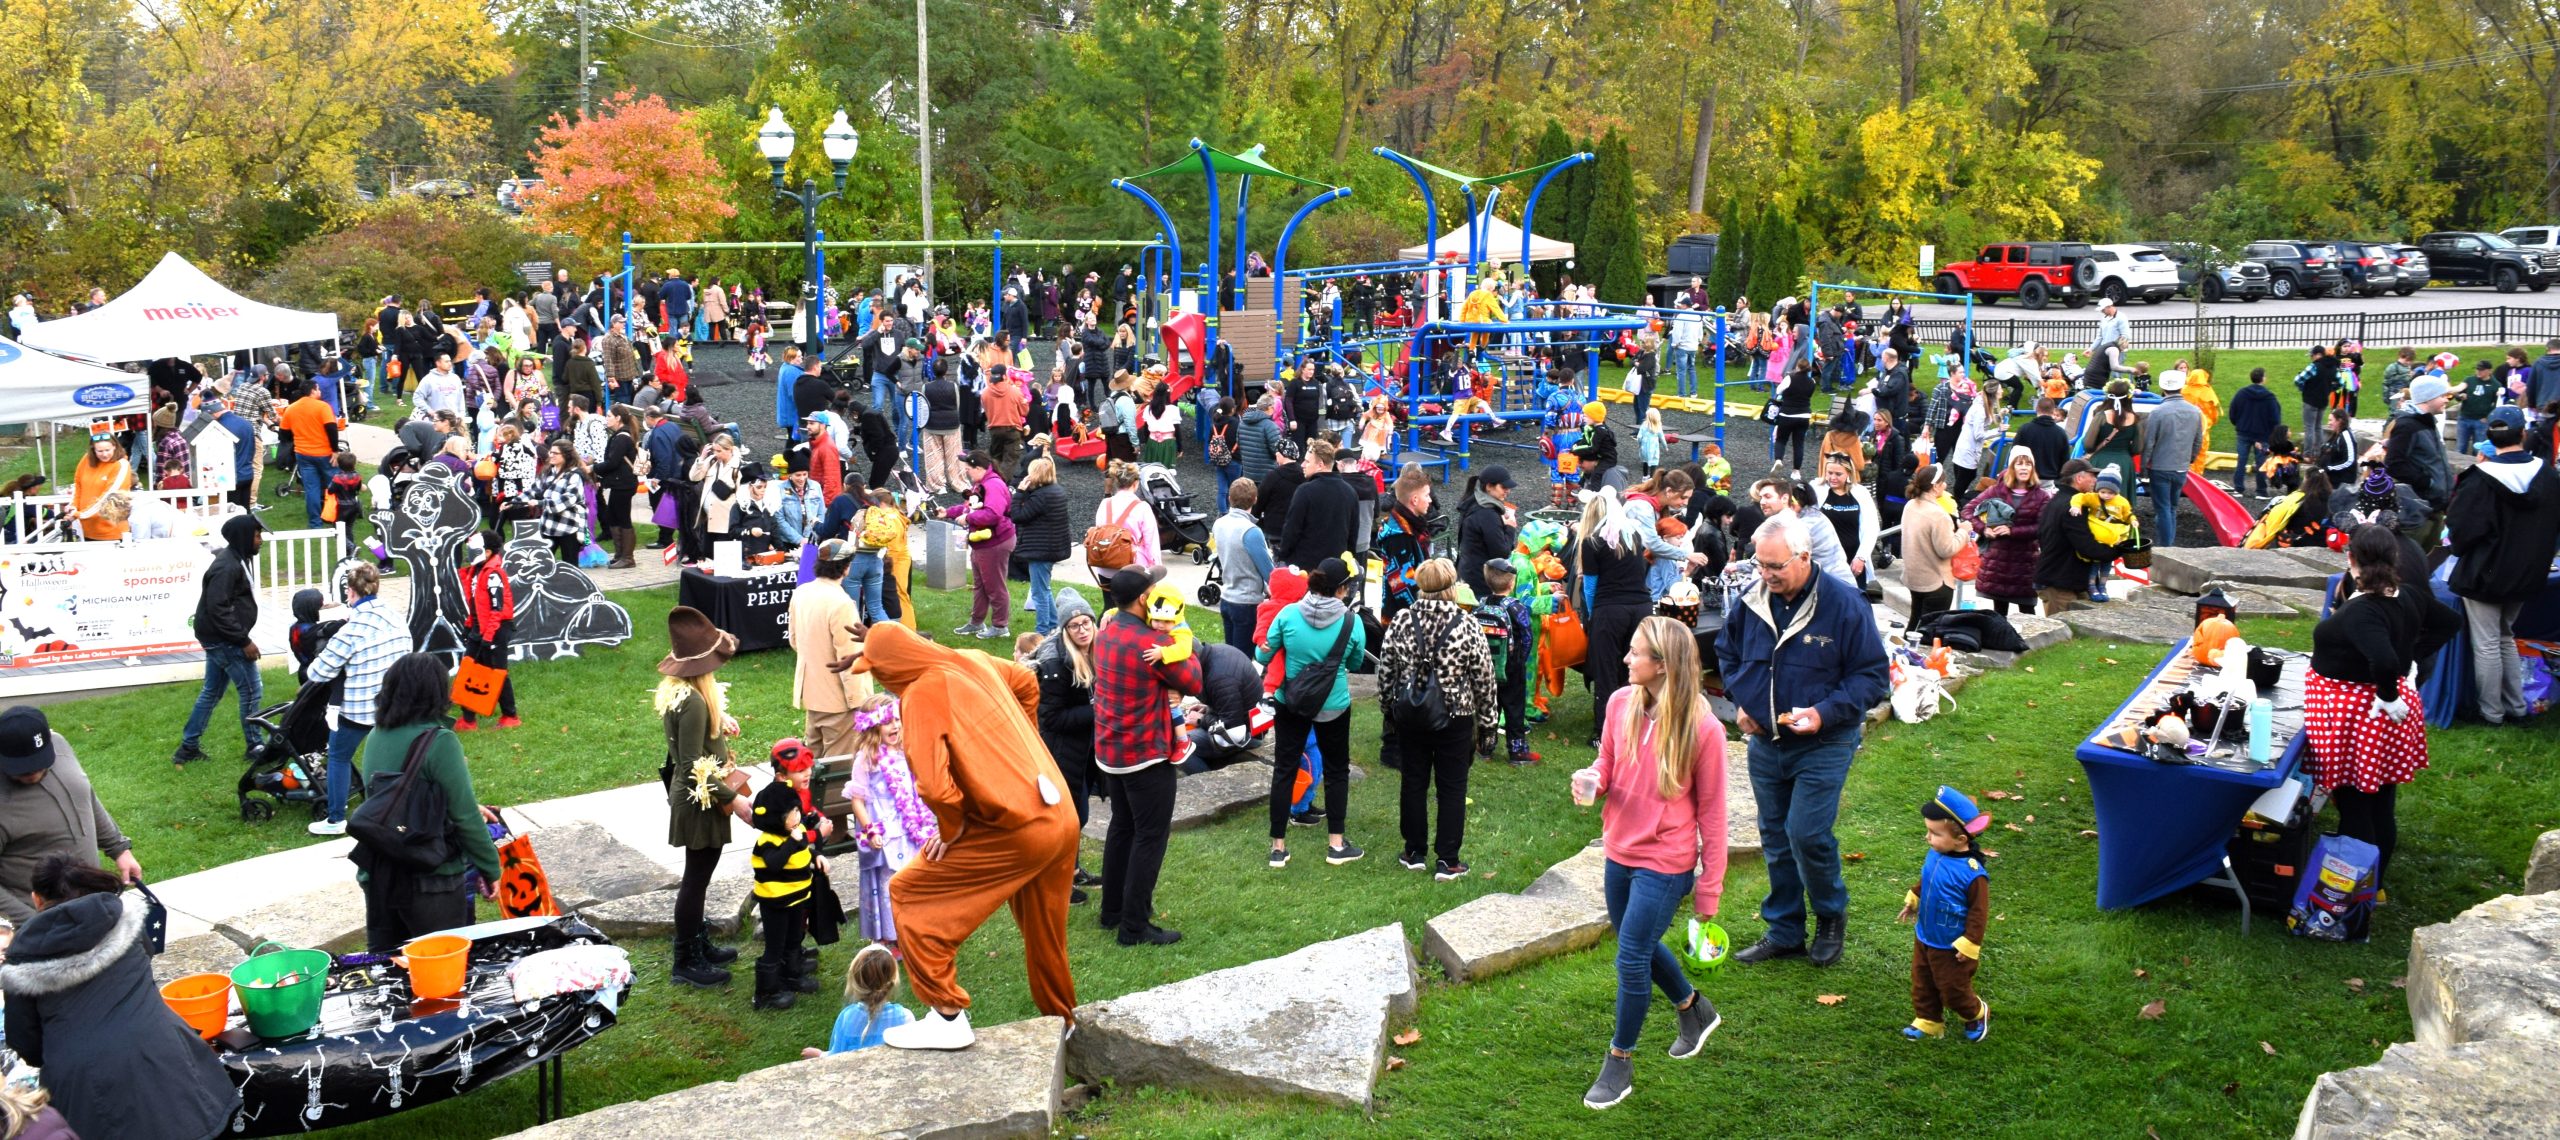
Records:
x=1008, y=832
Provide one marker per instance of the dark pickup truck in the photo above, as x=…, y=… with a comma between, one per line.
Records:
x=2466, y=258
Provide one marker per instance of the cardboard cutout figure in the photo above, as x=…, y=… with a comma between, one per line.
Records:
x=558, y=608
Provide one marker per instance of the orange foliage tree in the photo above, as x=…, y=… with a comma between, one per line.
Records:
x=636, y=166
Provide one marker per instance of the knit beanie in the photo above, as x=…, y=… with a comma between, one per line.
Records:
x=2111, y=479
x=1070, y=605
x=2376, y=493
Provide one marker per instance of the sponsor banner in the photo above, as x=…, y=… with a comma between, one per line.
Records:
x=93, y=601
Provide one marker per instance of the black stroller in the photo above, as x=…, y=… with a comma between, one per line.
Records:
x=291, y=766
x=1180, y=525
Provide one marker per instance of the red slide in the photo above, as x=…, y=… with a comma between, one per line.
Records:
x=2230, y=521
x=1185, y=335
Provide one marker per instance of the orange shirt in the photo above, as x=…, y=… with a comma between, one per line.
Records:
x=1004, y=406
x=90, y=482
x=309, y=419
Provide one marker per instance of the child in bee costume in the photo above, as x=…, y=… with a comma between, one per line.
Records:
x=783, y=863
x=1952, y=903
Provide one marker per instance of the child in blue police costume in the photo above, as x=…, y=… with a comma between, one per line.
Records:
x=1953, y=902
x=782, y=863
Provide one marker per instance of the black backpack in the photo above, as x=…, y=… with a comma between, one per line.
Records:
x=1340, y=402
x=403, y=822
x=1307, y=690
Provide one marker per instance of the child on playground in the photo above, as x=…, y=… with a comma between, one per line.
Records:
x=1952, y=903
x=1718, y=469
x=893, y=823
x=1511, y=634
x=1377, y=429
x=868, y=1012
x=1649, y=440
x=2110, y=517
x=757, y=331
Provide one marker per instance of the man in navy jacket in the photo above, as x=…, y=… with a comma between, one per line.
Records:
x=1803, y=663
x=2255, y=414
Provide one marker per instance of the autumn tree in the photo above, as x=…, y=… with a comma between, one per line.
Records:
x=637, y=167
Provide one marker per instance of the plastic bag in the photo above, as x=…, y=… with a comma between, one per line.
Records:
x=2541, y=689
x=2335, y=901
x=1967, y=563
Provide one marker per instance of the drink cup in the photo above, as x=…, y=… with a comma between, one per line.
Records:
x=1586, y=787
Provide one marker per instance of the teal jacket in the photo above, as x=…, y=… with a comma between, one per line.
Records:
x=386, y=749
x=1304, y=645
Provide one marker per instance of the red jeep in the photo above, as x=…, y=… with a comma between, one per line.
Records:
x=2033, y=271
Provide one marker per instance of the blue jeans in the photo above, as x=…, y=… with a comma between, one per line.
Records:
x=2167, y=487
x=1798, y=786
x=372, y=368
x=2468, y=431
x=225, y=667
x=1684, y=370
x=2253, y=453
x=316, y=471
x=1044, y=610
x=1238, y=620
x=1641, y=905
x=884, y=400
x=1225, y=475
x=863, y=581
x=342, y=764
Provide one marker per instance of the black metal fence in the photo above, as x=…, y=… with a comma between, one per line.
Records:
x=2229, y=329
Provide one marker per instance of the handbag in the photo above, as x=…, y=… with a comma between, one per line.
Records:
x=1304, y=694
x=476, y=686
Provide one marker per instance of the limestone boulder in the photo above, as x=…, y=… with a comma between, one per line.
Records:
x=587, y=865
x=2543, y=873
x=2188, y=569
x=2129, y=622
x=2439, y=1092
x=1312, y=1025
x=1202, y=799
x=2039, y=632
x=2246, y=601
x=1007, y=1085
x=2307, y=601
x=653, y=915
x=1493, y=934
x=1577, y=881
x=329, y=917
x=2493, y=971
x=212, y=953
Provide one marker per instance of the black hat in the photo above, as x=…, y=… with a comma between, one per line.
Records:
x=26, y=741
x=1130, y=584
x=1496, y=475
x=774, y=805
x=1328, y=577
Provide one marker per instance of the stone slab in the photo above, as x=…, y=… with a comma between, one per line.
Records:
x=2439, y=1092
x=329, y=917
x=2543, y=872
x=2187, y=569
x=2130, y=622
x=1576, y=880
x=197, y=954
x=1312, y=1024
x=1203, y=799
x=2247, y=601
x=653, y=915
x=1494, y=934
x=2040, y=632
x=2308, y=601
x=587, y=865
x=1009, y=1084
x=2492, y=971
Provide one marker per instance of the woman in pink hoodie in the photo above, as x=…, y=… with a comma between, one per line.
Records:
x=1661, y=772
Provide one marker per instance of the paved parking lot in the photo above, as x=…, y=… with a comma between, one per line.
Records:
x=2433, y=297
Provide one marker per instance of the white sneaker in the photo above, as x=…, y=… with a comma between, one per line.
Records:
x=933, y=1031
x=324, y=827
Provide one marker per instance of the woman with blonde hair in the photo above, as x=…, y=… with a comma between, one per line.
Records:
x=1661, y=771
x=1435, y=677
x=703, y=784
x=1041, y=537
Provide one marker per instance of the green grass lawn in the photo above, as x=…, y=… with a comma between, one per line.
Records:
x=1511, y=1055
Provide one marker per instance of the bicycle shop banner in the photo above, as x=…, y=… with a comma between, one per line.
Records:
x=78, y=602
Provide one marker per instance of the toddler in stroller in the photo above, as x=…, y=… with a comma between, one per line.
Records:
x=1182, y=525
x=292, y=764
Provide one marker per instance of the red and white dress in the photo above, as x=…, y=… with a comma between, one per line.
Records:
x=2349, y=743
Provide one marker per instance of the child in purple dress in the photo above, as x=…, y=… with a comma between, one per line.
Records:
x=895, y=824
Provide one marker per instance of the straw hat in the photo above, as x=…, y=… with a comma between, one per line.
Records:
x=695, y=646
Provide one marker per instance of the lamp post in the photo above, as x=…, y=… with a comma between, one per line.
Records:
x=776, y=142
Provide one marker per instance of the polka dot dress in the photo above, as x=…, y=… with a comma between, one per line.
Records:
x=2349, y=744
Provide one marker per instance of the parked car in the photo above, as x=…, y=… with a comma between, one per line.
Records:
x=511, y=193
x=2297, y=268
x=2134, y=272
x=2233, y=278
x=2467, y=258
x=2533, y=237
x=2411, y=261
x=2034, y=272
x=2368, y=269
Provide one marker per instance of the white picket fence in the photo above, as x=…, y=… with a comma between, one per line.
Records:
x=294, y=559
x=47, y=518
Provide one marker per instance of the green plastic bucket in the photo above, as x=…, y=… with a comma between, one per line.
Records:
x=1704, y=950
x=278, y=1011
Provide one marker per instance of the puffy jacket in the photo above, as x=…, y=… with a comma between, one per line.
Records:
x=84, y=1006
x=1256, y=439
x=2009, y=561
x=2066, y=548
x=1040, y=523
x=1066, y=708
x=1097, y=356
x=2502, y=525
x=1829, y=657
x=2414, y=454
x=1230, y=684
x=227, y=610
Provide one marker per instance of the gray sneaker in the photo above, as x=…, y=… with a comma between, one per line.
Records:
x=971, y=629
x=1617, y=1079
x=1696, y=1022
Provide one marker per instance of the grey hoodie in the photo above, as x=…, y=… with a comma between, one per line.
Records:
x=58, y=813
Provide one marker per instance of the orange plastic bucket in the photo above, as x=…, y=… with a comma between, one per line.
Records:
x=203, y=1001
x=435, y=964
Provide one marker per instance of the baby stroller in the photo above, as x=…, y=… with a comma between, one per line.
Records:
x=292, y=764
x=1182, y=526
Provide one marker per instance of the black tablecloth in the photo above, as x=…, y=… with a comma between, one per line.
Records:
x=756, y=608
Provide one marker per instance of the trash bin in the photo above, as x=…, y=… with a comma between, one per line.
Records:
x=946, y=555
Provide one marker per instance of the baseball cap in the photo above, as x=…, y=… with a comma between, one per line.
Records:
x=1495, y=476
x=2507, y=415
x=26, y=741
x=1127, y=585
x=1329, y=575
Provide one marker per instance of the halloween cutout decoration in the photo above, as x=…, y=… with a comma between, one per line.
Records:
x=558, y=608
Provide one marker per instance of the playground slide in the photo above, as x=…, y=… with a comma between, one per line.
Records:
x=1186, y=335
x=2230, y=521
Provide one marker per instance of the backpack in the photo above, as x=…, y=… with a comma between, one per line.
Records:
x=1420, y=703
x=1340, y=402
x=1222, y=447
x=882, y=528
x=1112, y=545
x=1304, y=695
x=1106, y=413
x=402, y=822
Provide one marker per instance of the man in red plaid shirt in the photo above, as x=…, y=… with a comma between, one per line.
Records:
x=1133, y=744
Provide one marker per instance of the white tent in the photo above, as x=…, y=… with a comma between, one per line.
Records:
x=178, y=311
x=1501, y=244
x=36, y=388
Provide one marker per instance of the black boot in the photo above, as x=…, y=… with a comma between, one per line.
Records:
x=809, y=960
x=1827, y=933
x=771, y=993
x=691, y=970
x=713, y=952
x=803, y=979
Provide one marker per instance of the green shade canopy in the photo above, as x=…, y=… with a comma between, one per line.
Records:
x=1249, y=162
x=1487, y=180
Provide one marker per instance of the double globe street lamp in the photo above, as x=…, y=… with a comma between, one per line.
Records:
x=776, y=142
